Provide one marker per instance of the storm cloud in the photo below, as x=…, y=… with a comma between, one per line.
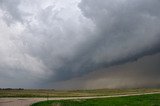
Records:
x=138, y=74
x=47, y=41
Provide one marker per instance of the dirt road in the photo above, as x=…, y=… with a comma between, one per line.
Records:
x=29, y=101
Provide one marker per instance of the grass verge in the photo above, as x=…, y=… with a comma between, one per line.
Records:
x=142, y=100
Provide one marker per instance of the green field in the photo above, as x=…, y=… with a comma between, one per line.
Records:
x=143, y=100
x=71, y=93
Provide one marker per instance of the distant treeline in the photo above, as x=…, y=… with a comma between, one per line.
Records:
x=26, y=89
x=11, y=88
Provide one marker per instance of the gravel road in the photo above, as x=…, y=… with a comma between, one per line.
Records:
x=29, y=101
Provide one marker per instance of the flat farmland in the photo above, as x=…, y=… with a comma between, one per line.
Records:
x=32, y=93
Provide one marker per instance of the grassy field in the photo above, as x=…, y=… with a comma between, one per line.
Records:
x=143, y=100
x=72, y=93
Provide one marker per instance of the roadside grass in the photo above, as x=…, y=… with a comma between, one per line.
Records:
x=141, y=100
x=71, y=93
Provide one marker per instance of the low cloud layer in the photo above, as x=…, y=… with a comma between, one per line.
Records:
x=47, y=41
x=138, y=74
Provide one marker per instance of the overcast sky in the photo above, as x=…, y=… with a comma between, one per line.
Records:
x=68, y=44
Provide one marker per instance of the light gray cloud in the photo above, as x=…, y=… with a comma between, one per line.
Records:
x=46, y=41
x=37, y=45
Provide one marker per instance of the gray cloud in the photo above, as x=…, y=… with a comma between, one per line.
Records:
x=124, y=33
x=141, y=73
x=52, y=41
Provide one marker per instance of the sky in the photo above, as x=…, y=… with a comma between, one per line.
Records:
x=79, y=44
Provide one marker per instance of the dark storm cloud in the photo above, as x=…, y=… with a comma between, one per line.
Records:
x=126, y=31
x=141, y=73
x=58, y=40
